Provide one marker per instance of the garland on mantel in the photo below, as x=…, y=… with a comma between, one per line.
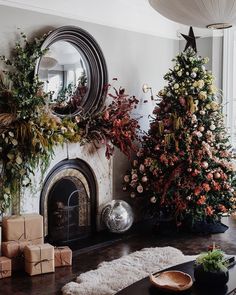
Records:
x=29, y=130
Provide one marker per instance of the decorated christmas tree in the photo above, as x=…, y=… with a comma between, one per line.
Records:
x=184, y=167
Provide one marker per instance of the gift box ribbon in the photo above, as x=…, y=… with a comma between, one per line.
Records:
x=20, y=249
x=41, y=261
x=3, y=272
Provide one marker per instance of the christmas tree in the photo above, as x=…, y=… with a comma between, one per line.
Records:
x=184, y=167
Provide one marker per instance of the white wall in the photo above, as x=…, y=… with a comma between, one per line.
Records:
x=134, y=15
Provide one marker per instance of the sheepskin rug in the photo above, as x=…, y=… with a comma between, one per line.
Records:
x=111, y=277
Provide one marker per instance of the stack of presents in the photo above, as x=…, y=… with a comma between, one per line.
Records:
x=23, y=247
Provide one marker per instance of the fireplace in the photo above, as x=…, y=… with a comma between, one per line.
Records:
x=68, y=202
x=73, y=166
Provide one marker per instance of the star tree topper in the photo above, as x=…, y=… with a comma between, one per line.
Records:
x=191, y=40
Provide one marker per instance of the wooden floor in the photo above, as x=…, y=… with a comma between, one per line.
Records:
x=51, y=283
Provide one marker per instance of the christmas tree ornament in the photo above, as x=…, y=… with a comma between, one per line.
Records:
x=212, y=127
x=191, y=41
x=201, y=128
x=204, y=165
x=176, y=86
x=126, y=178
x=144, y=179
x=153, y=200
x=217, y=175
x=140, y=189
x=118, y=216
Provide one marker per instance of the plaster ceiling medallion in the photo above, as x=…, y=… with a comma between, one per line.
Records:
x=215, y=14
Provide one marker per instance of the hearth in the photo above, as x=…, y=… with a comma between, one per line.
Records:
x=68, y=202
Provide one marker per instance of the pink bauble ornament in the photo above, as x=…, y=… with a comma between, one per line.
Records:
x=144, y=179
x=204, y=165
x=126, y=178
x=139, y=189
x=201, y=128
x=153, y=200
x=217, y=175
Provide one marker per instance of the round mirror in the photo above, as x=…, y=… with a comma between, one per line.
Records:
x=73, y=71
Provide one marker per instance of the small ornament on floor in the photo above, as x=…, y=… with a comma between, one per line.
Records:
x=118, y=216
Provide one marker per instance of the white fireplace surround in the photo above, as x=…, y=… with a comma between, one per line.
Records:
x=94, y=157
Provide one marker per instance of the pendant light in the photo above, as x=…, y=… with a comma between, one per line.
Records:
x=215, y=14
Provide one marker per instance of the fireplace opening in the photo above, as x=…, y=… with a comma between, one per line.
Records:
x=68, y=202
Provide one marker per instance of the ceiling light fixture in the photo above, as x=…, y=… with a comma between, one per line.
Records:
x=214, y=14
x=48, y=62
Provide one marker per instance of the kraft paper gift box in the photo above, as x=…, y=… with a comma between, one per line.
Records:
x=23, y=227
x=39, y=259
x=14, y=250
x=63, y=256
x=5, y=267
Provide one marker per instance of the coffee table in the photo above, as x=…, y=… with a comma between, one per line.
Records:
x=144, y=287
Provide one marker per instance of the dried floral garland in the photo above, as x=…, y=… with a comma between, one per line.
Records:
x=113, y=124
x=29, y=130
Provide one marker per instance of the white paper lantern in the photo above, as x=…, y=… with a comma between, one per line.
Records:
x=218, y=14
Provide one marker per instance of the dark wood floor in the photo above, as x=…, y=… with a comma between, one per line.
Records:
x=51, y=283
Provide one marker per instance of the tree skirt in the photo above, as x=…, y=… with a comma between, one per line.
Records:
x=111, y=277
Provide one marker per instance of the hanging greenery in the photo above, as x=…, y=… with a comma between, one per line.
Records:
x=29, y=130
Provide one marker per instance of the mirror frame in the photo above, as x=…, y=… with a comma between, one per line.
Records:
x=95, y=65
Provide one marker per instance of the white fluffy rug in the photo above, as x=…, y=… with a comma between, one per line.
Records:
x=110, y=277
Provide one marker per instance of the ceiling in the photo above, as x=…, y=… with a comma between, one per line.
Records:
x=134, y=15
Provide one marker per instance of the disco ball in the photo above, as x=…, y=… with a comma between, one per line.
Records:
x=117, y=216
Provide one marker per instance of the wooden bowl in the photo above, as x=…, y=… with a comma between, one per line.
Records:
x=174, y=281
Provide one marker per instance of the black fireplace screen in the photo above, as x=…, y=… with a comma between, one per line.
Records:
x=69, y=208
x=68, y=203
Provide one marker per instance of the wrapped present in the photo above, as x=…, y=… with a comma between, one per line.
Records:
x=23, y=227
x=5, y=267
x=14, y=250
x=63, y=256
x=39, y=259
